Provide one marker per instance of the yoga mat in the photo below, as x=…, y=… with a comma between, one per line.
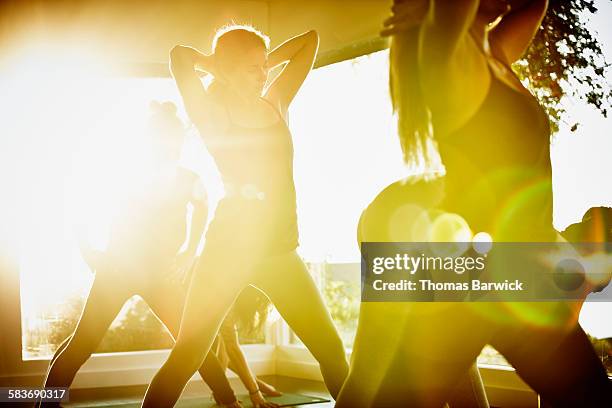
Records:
x=285, y=400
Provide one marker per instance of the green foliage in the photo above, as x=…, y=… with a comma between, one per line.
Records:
x=565, y=58
x=343, y=305
x=603, y=348
x=61, y=328
x=137, y=329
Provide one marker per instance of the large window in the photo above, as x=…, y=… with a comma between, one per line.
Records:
x=347, y=150
x=77, y=159
x=85, y=149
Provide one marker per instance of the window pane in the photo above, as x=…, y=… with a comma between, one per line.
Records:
x=346, y=152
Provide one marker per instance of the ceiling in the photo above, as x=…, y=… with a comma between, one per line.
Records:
x=136, y=31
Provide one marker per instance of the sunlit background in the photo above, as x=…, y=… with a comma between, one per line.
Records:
x=73, y=144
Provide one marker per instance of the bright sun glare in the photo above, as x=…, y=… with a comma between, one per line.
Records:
x=77, y=139
x=76, y=144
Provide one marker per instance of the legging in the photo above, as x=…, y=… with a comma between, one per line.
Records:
x=108, y=294
x=237, y=243
x=416, y=354
x=430, y=353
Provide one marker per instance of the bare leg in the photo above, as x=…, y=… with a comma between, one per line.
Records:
x=290, y=287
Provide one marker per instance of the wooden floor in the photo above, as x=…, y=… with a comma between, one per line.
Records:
x=198, y=389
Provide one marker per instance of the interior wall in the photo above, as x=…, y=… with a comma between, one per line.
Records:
x=123, y=31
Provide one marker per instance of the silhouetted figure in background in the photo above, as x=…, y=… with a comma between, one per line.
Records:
x=144, y=256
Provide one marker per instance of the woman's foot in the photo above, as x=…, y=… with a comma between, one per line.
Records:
x=267, y=389
x=259, y=401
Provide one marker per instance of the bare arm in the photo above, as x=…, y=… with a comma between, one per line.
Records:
x=453, y=71
x=512, y=36
x=237, y=360
x=200, y=107
x=445, y=27
x=239, y=365
x=298, y=53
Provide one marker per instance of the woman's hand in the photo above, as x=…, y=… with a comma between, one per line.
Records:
x=258, y=400
x=235, y=404
x=267, y=389
x=406, y=14
x=206, y=63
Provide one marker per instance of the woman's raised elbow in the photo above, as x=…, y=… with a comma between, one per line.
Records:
x=312, y=36
x=177, y=52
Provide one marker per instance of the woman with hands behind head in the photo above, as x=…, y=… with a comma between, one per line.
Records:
x=253, y=236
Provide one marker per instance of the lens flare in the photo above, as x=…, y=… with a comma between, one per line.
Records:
x=527, y=215
x=482, y=242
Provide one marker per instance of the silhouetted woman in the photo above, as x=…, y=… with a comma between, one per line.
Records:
x=253, y=236
x=455, y=94
x=143, y=256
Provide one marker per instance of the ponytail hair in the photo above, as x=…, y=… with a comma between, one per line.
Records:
x=250, y=310
x=414, y=119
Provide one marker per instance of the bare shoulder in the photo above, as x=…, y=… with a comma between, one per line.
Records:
x=456, y=87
